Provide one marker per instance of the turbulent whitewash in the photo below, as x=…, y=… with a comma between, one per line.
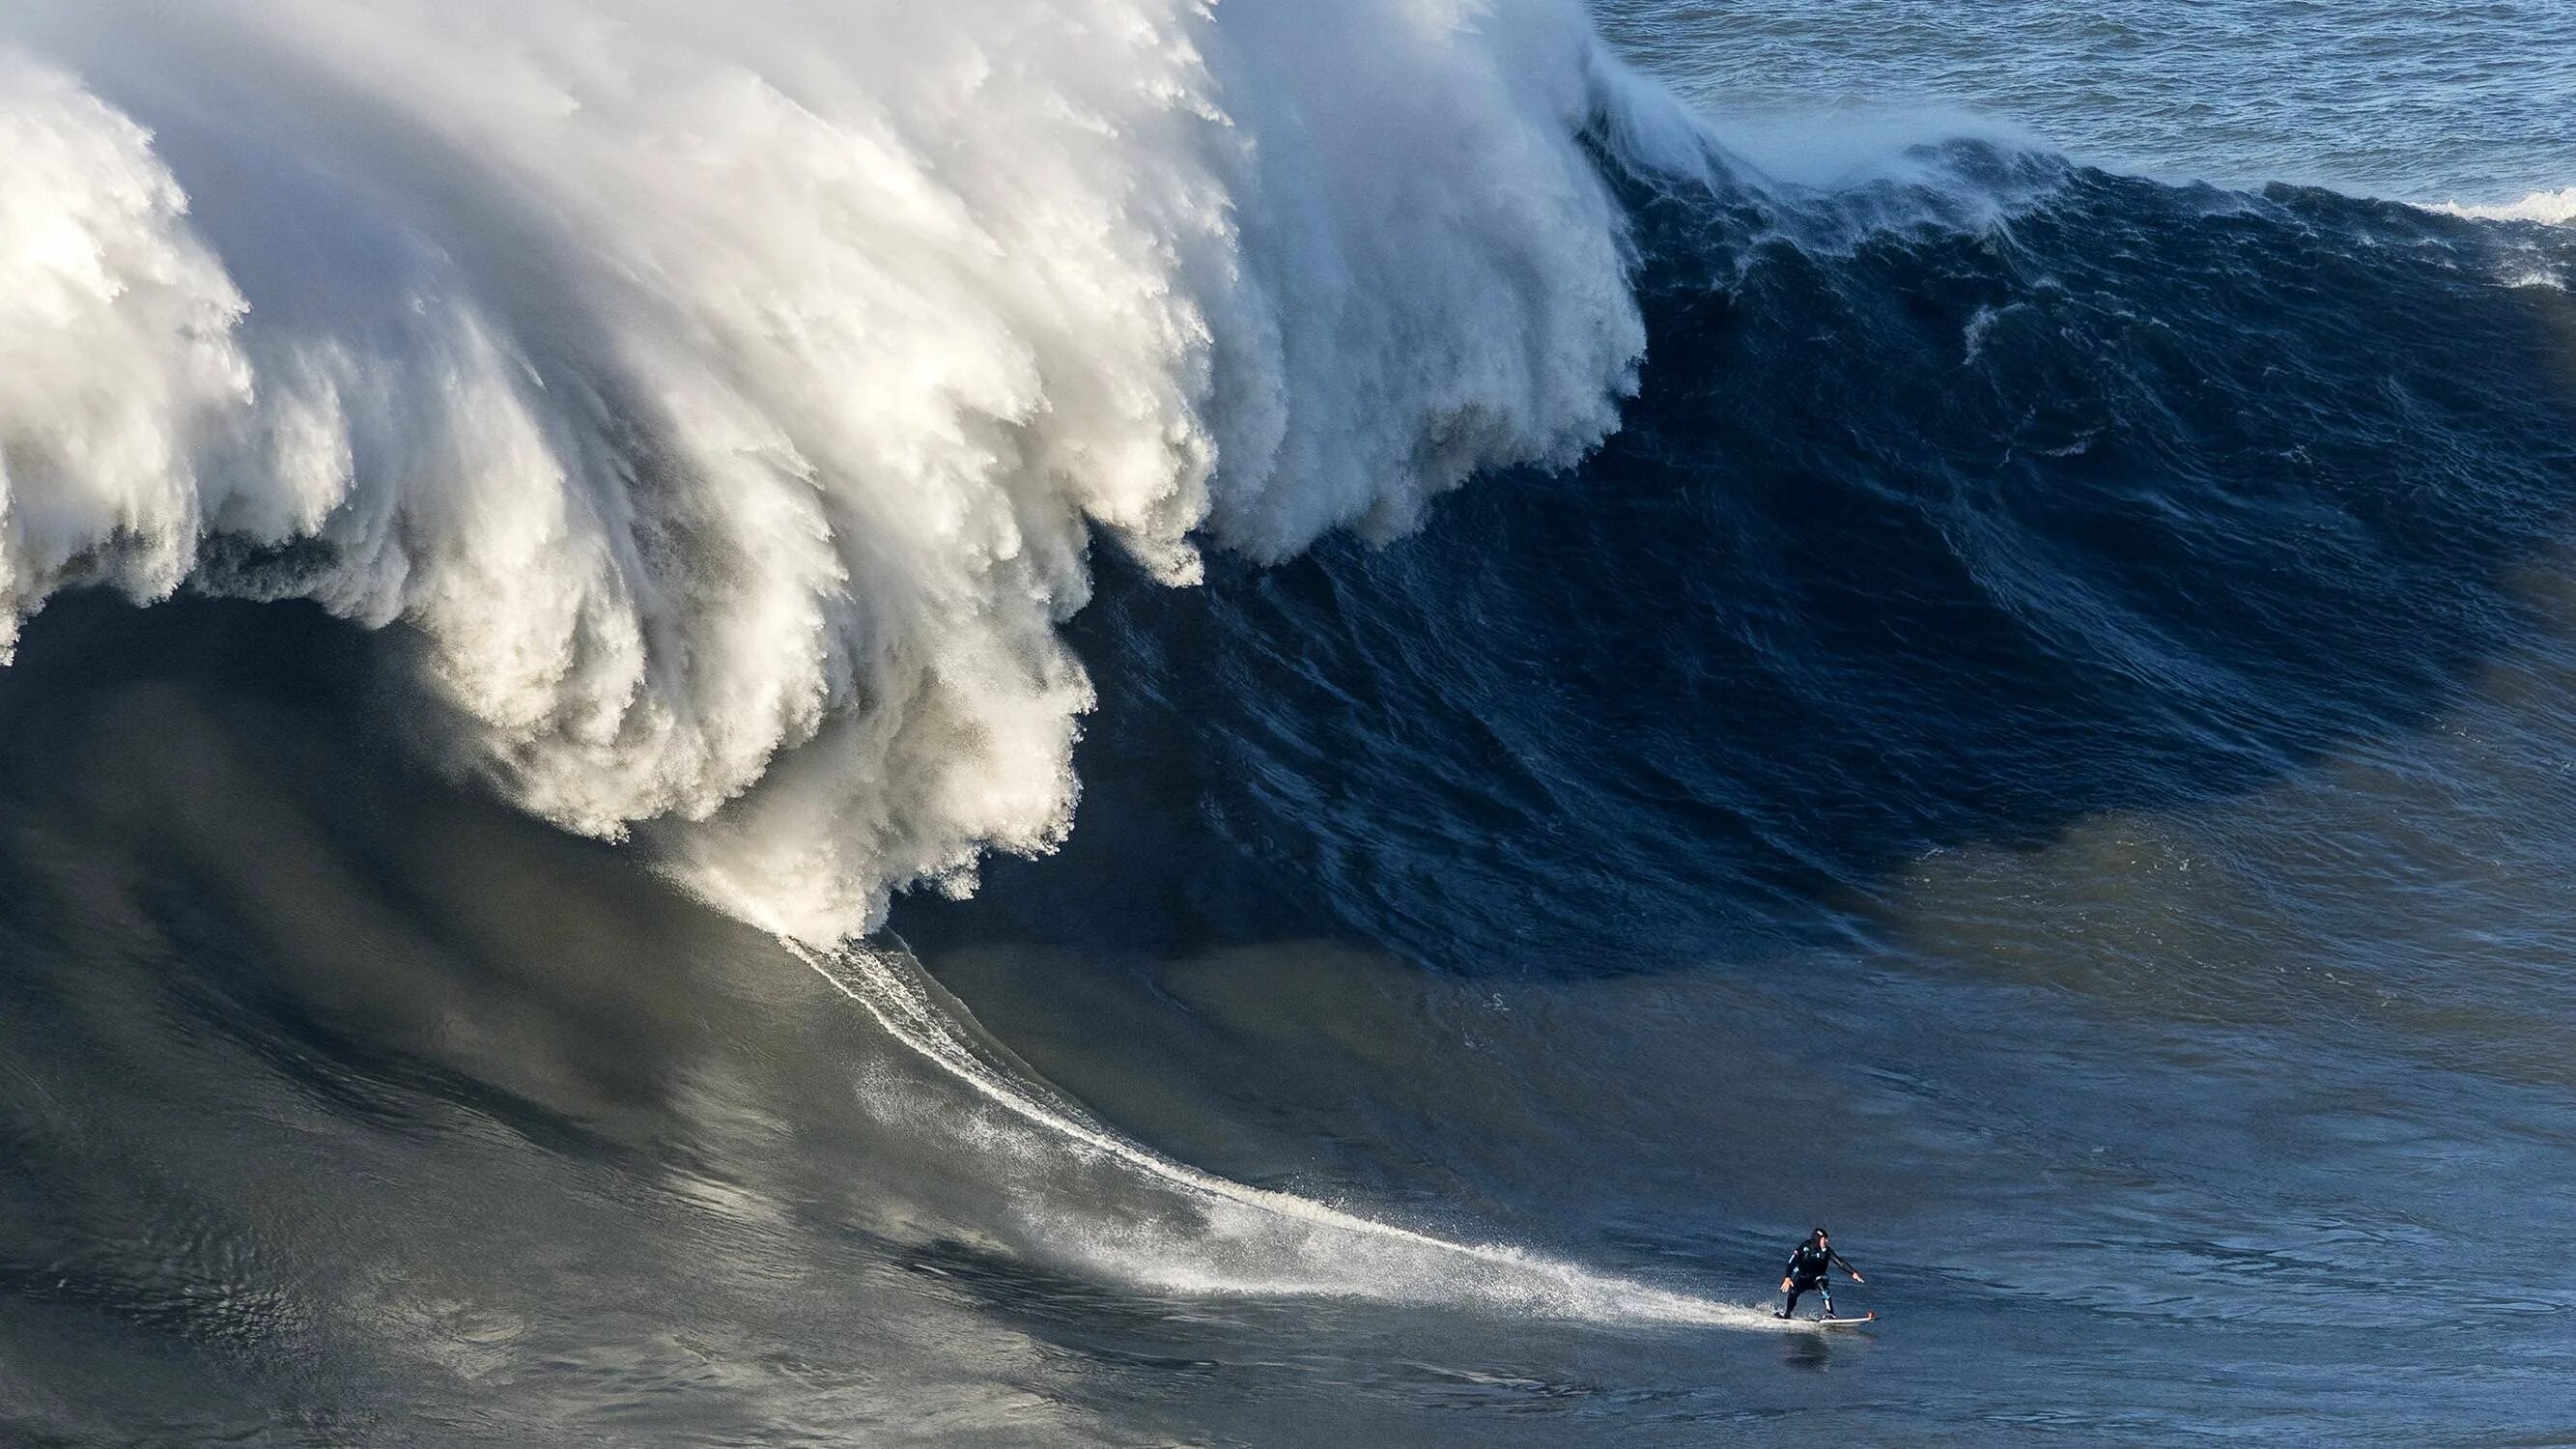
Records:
x=727, y=399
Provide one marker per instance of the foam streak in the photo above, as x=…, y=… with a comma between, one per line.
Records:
x=1256, y=1240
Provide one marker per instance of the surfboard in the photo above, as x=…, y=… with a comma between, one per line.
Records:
x=1838, y=1322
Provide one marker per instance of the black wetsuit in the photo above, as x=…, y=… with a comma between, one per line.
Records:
x=1808, y=1263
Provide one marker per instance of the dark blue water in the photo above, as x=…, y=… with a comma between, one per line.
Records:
x=2043, y=743
x=1943, y=541
x=2043, y=748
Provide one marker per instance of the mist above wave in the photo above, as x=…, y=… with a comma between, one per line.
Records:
x=726, y=402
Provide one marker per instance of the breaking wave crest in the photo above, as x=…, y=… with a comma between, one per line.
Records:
x=2553, y=207
x=725, y=406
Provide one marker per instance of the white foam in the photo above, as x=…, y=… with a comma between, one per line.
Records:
x=728, y=397
x=117, y=361
x=2557, y=208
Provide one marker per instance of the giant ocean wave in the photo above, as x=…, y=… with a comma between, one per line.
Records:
x=2022, y=708
x=727, y=417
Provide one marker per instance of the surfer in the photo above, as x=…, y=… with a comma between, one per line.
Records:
x=1808, y=1264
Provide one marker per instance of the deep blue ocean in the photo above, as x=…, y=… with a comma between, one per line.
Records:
x=2043, y=740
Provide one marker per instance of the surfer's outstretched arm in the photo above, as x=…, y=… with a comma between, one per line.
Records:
x=1846, y=1266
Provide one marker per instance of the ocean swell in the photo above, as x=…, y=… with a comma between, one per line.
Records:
x=726, y=406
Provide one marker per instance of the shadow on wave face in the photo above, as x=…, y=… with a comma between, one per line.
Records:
x=2138, y=497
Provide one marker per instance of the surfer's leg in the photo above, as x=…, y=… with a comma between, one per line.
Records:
x=1792, y=1305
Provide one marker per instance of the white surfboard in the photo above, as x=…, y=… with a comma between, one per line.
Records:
x=1837, y=1322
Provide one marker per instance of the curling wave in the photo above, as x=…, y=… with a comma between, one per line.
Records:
x=725, y=406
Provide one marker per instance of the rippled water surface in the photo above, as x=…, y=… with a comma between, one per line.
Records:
x=2443, y=102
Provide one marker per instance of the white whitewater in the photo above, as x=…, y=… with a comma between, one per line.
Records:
x=2557, y=208
x=724, y=400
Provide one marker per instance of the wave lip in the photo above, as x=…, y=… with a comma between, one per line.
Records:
x=120, y=361
x=2555, y=208
x=728, y=408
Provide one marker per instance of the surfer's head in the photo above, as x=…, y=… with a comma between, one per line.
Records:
x=1816, y=1234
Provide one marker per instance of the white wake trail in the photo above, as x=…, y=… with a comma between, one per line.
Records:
x=1254, y=1240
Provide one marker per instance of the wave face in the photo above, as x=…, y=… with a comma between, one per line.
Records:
x=726, y=406
x=1955, y=510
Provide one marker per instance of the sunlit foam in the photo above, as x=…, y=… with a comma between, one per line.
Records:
x=727, y=402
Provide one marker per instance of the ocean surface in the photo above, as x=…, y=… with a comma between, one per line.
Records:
x=1106, y=722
